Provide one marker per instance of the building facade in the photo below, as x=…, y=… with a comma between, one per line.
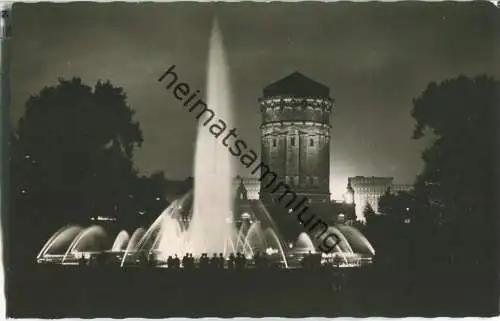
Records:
x=252, y=186
x=367, y=191
x=364, y=191
x=295, y=136
x=397, y=188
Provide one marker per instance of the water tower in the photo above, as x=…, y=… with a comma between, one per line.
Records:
x=295, y=135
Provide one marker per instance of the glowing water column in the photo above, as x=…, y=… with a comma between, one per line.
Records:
x=295, y=135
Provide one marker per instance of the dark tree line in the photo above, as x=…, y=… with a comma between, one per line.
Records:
x=450, y=218
x=72, y=159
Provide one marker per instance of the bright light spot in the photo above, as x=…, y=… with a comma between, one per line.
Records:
x=290, y=210
x=106, y=218
x=290, y=245
x=157, y=198
x=27, y=156
x=271, y=251
x=141, y=212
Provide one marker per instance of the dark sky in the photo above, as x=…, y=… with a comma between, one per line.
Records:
x=374, y=57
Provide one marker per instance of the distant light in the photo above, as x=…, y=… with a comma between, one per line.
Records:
x=407, y=209
x=23, y=191
x=245, y=216
x=290, y=210
x=106, y=218
x=271, y=251
x=27, y=156
x=141, y=212
x=157, y=198
x=290, y=245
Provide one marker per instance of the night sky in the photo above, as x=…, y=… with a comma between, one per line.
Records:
x=374, y=57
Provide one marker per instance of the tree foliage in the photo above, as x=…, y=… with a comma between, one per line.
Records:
x=71, y=158
x=457, y=185
x=450, y=216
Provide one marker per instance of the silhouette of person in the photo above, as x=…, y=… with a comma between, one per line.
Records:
x=237, y=260
x=220, y=262
x=214, y=261
x=240, y=261
x=231, y=261
x=170, y=262
x=243, y=261
x=82, y=261
x=177, y=262
x=191, y=260
x=185, y=261
x=203, y=261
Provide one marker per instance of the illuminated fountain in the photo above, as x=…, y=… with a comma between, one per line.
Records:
x=121, y=241
x=209, y=229
x=202, y=221
x=304, y=244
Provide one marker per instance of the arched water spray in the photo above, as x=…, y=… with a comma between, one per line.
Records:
x=255, y=235
x=358, y=241
x=276, y=241
x=132, y=244
x=304, y=243
x=344, y=244
x=120, y=242
x=60, y=239
x=90, y=234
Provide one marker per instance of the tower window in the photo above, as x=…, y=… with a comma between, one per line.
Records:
x=274, y=142
x=311, y=142
x=292, y=141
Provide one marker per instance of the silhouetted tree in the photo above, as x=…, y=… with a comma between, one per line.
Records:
x=398, y=206
x=368, y=212
x=455, y=192
x=71, y=158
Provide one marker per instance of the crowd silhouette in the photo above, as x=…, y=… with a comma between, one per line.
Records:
x=234, y=261
x=214, y=262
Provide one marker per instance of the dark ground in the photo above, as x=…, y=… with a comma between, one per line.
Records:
x=65, y=291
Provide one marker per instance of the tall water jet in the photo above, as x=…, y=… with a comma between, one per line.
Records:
x=210, y=228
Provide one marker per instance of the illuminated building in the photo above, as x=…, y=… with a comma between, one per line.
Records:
x=295, y=145
x=367, y=191
x=396, y=188
x=252, y=186
x=295, y=135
